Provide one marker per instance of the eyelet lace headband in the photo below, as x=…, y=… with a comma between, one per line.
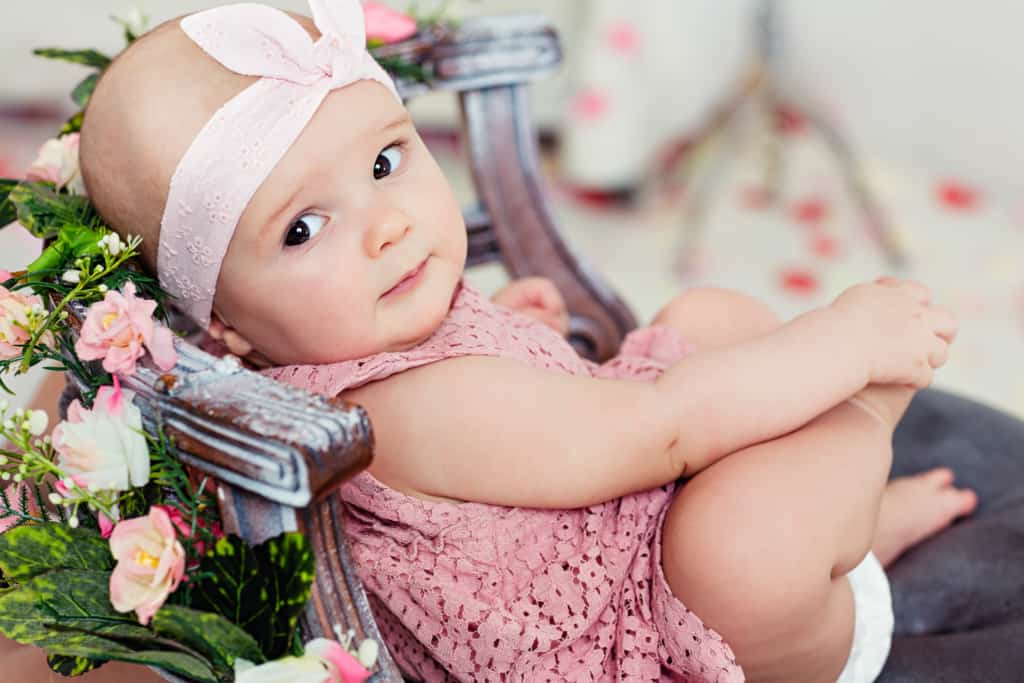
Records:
x=240, y=145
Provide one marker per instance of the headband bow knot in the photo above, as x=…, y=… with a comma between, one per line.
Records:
x=240, y=145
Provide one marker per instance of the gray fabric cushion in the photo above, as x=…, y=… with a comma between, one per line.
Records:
x=959, y=597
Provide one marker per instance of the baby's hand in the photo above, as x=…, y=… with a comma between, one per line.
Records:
x=537, y=297
x=904, y=336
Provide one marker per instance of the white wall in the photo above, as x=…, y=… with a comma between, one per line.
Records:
x=930, y=82
x=938, y=83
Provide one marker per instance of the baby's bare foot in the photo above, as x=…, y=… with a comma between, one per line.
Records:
x=885, y=402
x=914, y=508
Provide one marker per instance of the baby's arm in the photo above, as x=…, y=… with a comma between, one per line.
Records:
x=493, y=430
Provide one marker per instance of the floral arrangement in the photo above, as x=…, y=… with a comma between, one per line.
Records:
x=109, y=548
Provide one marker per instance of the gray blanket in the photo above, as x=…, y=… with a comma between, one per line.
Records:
x=959, y=597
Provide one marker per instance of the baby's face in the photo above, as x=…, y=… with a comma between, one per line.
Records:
x=352, y=246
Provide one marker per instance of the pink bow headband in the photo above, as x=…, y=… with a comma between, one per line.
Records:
x=240, y=145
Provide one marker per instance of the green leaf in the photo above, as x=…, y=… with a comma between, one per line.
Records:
x=73, y=241
x=289, y=559
x=83, y=91
x=86, y=57
x=210, y=634
x=71, y=598
x=73, y=125
x=263, y=589
x=71, y=665
x=68, y=612
x=34, y=549
x=8, y=212
x=44, y=211
x=182, y=663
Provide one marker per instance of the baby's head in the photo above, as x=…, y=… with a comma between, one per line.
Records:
x=355, y=204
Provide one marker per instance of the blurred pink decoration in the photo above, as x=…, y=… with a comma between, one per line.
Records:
x=386, y=24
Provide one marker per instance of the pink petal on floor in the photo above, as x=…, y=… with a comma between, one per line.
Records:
x=590, y=104
x=824, y=246
x=956, y=195
x=798, y=281
x=790, y=121
x=810, y=211
x=623, y=37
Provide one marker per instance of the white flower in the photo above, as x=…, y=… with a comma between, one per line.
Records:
x=55, y=499
x=368, y=652
x=136, y=21
x=58, y=163
x=37, y=421
x=324, y=661
x=72, y=276
x=111, y=244
x=102, y=449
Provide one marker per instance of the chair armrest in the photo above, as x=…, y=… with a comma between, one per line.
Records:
x=279, y=442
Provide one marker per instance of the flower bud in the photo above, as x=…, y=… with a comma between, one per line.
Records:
x=37, y=422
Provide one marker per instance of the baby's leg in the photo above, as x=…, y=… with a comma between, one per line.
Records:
x=758, y=545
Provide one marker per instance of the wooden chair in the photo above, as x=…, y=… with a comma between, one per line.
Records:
x=278, y=453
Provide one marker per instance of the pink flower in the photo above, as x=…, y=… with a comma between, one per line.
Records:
x=58, y=163
x=185, y=528
x=387, y=25
x=107, y=525
x=102, y=449
x=14, y=315
x=117, y=328
x=150, y=564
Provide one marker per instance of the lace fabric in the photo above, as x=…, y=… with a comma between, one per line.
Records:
x=476, y=592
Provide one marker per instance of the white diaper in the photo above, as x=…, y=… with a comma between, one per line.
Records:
x=873, y=622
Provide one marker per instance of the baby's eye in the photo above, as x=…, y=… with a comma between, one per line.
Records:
x=387, y=162
x=304, y=229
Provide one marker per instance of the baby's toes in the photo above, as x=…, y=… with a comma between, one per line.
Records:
x=960, y=502
x=949, y=503
x=938, y=477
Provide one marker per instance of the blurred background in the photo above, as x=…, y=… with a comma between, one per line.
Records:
x=786, y=148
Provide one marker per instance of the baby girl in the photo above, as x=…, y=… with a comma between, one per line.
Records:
x=710, y=505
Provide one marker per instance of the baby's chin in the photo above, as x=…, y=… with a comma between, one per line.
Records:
x=325, y=348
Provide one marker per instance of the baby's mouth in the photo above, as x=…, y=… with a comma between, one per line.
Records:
x=408, y=281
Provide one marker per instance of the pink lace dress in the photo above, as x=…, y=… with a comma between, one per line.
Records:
x=476, y=592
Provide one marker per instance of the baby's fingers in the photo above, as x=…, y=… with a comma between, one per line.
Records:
x=938, y=354
x=944, y=324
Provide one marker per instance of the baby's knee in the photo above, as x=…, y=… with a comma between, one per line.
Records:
x=710, y=317
x=777, y=607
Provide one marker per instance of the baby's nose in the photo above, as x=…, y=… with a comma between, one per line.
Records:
x=386, y=229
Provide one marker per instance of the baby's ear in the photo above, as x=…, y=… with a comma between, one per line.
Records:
x=236, y=343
